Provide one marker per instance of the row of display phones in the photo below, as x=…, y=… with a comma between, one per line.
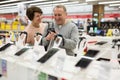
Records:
x=43, y=59
x=82, y=63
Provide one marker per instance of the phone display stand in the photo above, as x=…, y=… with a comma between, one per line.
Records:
x=60, y=57
x=116, y=32
x=81, y=46
x=37, y=51
x=37, y=47
x=91, y=30
x=21, y=40
x=55, y=57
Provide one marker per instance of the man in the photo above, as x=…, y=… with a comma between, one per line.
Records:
x=66, y=28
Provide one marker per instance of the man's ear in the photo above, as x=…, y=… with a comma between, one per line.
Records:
x=66, y=13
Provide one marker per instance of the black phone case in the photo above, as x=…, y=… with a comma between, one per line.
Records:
x=5, y=46
x=101, y=43
x=91, y=53
x=21, y=51
x=48, y=55
x=103, y=59
x=83, y=63
x=50, y=77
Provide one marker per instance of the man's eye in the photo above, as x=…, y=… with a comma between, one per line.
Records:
x=57, y=14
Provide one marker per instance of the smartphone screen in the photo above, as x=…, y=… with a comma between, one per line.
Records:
x=50, y=77
x=21, y=51
x=103, y=59
x=101, y=43
x=83, y=63
x=91, y=53
x=5, y=46
x=48, y=55
x=119, y=61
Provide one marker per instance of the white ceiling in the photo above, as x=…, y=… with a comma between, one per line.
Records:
x=4, y=2
x=12, y=4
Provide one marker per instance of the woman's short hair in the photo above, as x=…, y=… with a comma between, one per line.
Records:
x=30, y=12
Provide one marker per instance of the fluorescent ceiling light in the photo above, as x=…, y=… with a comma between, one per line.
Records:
x=64, y=0
x=75, y=4
x=81, y=4
x=51, y=2
x=90, y=0
x=114, y=5
x=68, y=3
x=35, y=1
x=108, y=2
x=8, y=1
x=8, y=8
x=8, y=5
x=25, y=2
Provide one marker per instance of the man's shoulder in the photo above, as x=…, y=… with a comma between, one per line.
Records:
x=72, y=24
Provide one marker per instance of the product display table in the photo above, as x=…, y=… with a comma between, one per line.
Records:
x=61, y=67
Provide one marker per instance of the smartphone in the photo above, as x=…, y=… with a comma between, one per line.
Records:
x=83, y=63
x=52, y=77
x=0, y=75
x=101, y=43
x=5, y=46
x=103, y=59
x=119, y=62
x=91, y=53
x=20, y=52
x=48, y=55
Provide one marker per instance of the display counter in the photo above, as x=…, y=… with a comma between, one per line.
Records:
x=61, y=66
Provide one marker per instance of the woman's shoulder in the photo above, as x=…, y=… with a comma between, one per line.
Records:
x=27, y=28
x=43, y=25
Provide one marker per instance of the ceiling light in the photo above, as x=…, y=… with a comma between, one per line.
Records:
x=25, y=2
x=68, y=3
x=8, y=5
x=80, y=4
x=109, y=2
x=90, y=0
x=35, y=1
x=114, y=5
x=8, y=1
x=51, y=2
x=64, y=0
x=76, y=4
x=8, y=8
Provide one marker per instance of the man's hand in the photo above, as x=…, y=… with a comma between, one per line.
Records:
x=51, y=36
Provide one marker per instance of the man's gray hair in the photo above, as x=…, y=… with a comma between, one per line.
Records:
x=61, y=6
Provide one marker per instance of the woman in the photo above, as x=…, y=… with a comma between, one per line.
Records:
x=34, y=14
